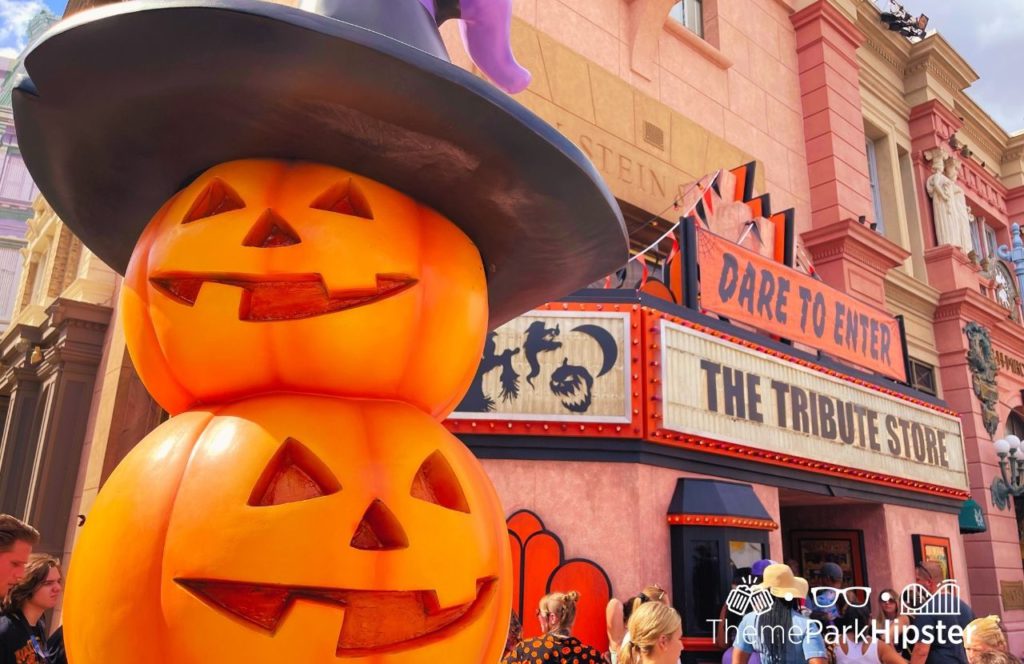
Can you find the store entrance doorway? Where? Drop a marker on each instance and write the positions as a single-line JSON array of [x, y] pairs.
[[817, 530]]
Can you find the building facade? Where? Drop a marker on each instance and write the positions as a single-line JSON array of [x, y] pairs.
[[17, 190], [634, 435]]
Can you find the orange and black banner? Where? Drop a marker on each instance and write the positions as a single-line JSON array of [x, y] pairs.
[[746, 287]]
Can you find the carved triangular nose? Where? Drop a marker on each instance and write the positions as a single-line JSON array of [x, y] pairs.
[[270, 230], [379, 530]]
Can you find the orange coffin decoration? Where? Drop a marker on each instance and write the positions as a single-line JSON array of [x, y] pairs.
[[286, 528], [252, 263]]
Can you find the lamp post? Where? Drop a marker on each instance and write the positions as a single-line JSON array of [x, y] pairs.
[[1011, 471], [1015, 254]]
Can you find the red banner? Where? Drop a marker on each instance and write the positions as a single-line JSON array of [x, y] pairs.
[[746, 287]]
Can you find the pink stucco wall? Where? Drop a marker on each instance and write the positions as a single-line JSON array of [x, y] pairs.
[[614, 514], [611, 513], [740, 82]]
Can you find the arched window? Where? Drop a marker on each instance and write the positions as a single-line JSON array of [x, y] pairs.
[[689, 13]]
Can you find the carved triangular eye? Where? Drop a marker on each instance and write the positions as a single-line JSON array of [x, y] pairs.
[[217, 198], [293, 474], [435, 482], [379, 530], [344, 198]]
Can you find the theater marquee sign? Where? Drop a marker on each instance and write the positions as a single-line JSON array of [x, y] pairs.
[[716, 389]]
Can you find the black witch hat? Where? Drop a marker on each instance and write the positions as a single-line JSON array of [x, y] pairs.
[[127, 103]]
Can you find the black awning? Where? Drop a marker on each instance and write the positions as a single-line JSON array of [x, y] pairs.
[[716, 498]]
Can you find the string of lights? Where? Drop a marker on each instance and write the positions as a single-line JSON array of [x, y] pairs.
[[675, 204]]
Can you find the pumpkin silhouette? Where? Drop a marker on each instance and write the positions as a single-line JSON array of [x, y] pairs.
[[291, 528], [275, 276]]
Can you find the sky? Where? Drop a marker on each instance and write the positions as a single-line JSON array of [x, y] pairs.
[[988, 33]]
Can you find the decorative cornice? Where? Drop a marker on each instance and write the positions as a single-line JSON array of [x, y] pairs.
[[851, 239], [885, 54], [969, 304], [935, 55]]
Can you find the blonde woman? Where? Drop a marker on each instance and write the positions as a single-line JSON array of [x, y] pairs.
[[556, 644], [892, 622], [617, 614], [985, 635], [656, 634]]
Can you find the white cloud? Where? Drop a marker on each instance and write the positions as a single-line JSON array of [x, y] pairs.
[[999, 22], [14, 19]]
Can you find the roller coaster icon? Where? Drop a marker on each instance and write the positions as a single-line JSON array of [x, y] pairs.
[[915, 600]]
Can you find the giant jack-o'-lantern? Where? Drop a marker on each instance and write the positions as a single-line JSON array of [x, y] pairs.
[[263, 533], [261, 525], [304, 278]]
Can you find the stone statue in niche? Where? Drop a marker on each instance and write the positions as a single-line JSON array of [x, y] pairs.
[[983, 373], [952, 217]]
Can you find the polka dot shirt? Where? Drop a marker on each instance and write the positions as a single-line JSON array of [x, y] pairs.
[[550, 650]]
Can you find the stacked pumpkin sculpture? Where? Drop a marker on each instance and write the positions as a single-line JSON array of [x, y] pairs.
[[308, 308]]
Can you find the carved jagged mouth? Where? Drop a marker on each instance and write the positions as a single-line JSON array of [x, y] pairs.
[[281, 297], [376, 621]]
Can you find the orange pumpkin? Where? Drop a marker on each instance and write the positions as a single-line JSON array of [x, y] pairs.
[[292, 528], [275, 276]]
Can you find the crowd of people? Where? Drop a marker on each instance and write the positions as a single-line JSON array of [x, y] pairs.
[[30, 585], [850, 634], [642, 630], [791, 624]]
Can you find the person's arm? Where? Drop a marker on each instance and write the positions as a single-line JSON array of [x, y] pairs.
[[742, 643], [888, 655], [814, 648], [511, 658], [616, 627], [919, 655], [720, 628], [741, 656]]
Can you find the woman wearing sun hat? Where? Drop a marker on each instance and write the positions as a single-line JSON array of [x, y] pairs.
[[780, 635]]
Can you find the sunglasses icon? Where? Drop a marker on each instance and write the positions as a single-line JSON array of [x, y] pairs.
[[825, 596]]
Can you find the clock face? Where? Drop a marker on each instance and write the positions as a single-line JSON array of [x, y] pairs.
[[1005, 292]]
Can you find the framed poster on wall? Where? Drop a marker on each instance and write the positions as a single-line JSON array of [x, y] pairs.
[[930, 547], [814, 548]]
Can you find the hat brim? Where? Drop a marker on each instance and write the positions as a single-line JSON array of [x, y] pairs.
[[797, 591], [129, 102]]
